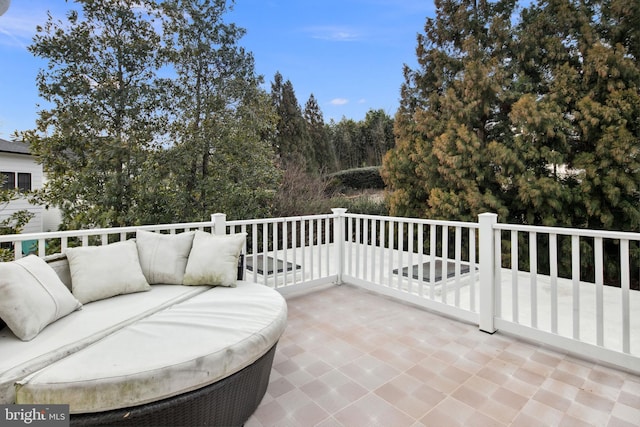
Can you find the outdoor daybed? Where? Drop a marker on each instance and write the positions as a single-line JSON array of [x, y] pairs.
[[139, 336]]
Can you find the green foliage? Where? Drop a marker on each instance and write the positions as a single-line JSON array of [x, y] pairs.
[[292, 143], [100, 80], [529, 113], [221, 159], [324, 154], [151, 123], [357, 179], [363, 143]]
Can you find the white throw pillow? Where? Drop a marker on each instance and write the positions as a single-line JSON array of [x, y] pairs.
[[163, 257], [99, 272], [214, 259], [32, 296]]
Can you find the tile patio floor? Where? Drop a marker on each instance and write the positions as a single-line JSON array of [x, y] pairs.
[[352, 358]]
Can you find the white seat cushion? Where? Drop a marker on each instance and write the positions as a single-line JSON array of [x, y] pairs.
[[182, 348], [78, 330]]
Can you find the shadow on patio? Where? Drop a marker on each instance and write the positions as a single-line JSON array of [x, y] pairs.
[[354, 358]]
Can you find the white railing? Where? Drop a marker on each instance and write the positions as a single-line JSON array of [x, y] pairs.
[[289, 253], [568, 288], [429, 263], [571, 290], [50, 243]]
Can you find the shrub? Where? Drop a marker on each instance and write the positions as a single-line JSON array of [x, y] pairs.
[[356, 179]]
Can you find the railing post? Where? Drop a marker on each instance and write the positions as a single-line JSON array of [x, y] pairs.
[[219, 224], [338, 239], [486, 243]]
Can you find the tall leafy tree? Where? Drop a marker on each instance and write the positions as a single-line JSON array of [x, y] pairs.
[[292, 142], [377, 137], [100, 83], [324, 155], [221, 120], [346, 136]]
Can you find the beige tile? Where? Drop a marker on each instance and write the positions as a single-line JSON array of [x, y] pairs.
[[569, 421], [587, 414], [594, 401], [617, 422], [499, 411], [626, 413], [279, 387], [470, 396], [546, 415], [554, 400], [372, 410], [450, 408], [352, 358], [479, 419], [509, 398]]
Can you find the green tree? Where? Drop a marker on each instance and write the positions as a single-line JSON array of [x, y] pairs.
[[533, 118], [324, 154], [377, 137], [346, 136], [450, 114], [100, 82], [291, 142], [221, 160]]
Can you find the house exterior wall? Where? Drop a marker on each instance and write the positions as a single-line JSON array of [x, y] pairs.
[[10, 162]]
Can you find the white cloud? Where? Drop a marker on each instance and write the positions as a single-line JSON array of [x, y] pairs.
[[333, 33], [362, 101], [18, 31], [339, 101]]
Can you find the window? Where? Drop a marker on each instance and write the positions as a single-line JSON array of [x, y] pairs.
[[9, 181], [24, 181]]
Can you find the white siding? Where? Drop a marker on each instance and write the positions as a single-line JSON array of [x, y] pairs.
[[26, 164]]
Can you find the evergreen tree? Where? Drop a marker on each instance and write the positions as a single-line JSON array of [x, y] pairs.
[[324, 154], [221, 160], [122, 146], [377, 137], [292, 142], [535, 119], [451, 113], [100, 82], [346, 137]]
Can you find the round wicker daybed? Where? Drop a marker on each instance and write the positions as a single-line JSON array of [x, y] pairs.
[[228, 402], [203, 361]]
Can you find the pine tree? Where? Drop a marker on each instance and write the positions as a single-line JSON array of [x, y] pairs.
[[582, 114], [324, 154], [100, 82], [450, 115], [346, 136], [222, 159], [377, 137], [291, 142], [535, 119]]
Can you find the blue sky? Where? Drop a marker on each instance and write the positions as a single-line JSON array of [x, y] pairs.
[[348, 53]]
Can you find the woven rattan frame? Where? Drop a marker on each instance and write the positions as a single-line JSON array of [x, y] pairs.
[[228, 402]]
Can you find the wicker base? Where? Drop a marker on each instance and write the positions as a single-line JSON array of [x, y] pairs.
[[228, 402]]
